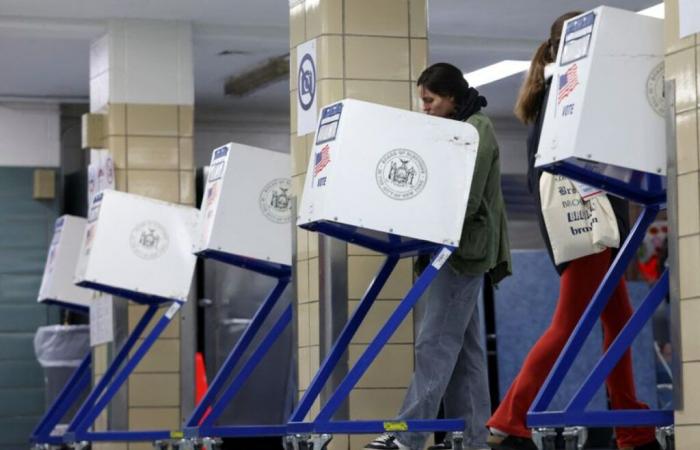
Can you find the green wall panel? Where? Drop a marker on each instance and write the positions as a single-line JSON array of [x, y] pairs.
[[26, 226]]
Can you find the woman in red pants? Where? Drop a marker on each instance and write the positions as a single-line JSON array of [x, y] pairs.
[[579, 280]]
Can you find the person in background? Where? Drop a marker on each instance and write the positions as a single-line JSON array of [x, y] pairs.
[[450, 361], [579, 280]]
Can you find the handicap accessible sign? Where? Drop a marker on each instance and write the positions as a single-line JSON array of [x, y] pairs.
[[306, 88]]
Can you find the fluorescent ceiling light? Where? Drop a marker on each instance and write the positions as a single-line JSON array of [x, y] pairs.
[[496, 72], [654, 11]]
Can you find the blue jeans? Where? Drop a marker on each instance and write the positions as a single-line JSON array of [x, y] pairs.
[[450, 362]]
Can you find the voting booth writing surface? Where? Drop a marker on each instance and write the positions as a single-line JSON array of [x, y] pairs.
[[137, 247], [57, 283], [605, 110], [604, 126], [389, 171], [246, 207], [396, 182]]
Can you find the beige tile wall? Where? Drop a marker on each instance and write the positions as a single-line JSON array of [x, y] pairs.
[[152, 149], [153, 154], [682, 65], [371, 51]]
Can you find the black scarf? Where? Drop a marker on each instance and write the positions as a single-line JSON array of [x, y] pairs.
[[469, 105]]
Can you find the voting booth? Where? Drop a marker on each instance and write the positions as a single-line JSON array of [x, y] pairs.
[[404, 174], [605, 111], [139, 249], [246, 208], [57, 283], [245, 221], [57, 288], [604, 126], [396, 182]]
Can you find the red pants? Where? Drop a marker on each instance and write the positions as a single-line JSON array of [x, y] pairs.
[[578, 283]]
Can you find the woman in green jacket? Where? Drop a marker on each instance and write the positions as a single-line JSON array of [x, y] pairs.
[[450, 362]]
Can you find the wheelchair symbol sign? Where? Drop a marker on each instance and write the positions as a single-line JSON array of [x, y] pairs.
[[306, 82]]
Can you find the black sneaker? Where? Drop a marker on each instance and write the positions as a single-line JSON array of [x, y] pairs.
[[444, 445], [510, 443], [386, 442]]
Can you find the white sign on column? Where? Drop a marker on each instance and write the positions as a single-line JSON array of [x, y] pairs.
[[101, 320], [688, 17], [100, 173], [307, 109]]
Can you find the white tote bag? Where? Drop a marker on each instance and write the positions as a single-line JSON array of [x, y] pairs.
[[576, 227]]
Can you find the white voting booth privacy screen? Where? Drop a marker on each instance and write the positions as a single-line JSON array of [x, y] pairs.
[[246, 206], [390, 170], [605, 107], [138, 247], [57, 283]]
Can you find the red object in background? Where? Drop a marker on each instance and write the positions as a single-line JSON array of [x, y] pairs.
[[200, 382], [652, 252], [650, 268]]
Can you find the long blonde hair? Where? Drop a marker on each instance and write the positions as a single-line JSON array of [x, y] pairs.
[[528, 103]]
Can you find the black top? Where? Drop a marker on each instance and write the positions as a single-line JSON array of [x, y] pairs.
[[619, 205]]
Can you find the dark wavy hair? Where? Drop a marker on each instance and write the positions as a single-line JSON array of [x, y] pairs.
[[445, 80]]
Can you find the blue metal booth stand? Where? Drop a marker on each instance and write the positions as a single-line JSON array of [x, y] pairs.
[[318, 432], [79, 435], [200, 427], [649, 191]]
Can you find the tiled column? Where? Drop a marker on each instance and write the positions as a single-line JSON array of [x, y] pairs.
[[374, 51], [682, 65], [141, 79]]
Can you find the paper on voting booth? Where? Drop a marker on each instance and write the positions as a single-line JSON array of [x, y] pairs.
[[605, 107], [57, 282], [391, 171], [246, 206], [138, 247], [100, 173]]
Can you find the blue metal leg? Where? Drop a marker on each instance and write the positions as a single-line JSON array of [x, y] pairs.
[[78, 382], [622, 342], [248, 368], [125, 436], [628, 418], [120, 378], [375, 426], [239, 431], [344, 339], [121, 355], [237, 353], [383, 336], [593, 311]]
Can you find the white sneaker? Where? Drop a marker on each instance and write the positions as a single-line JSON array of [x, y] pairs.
[[386, 442]]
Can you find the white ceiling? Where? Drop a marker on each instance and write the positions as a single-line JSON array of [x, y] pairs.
[[44, 45]]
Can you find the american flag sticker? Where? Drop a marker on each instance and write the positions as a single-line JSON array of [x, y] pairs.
[[567, 83], [322, 158]]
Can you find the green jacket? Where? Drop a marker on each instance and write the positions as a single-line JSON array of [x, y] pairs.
[[484, 246]]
